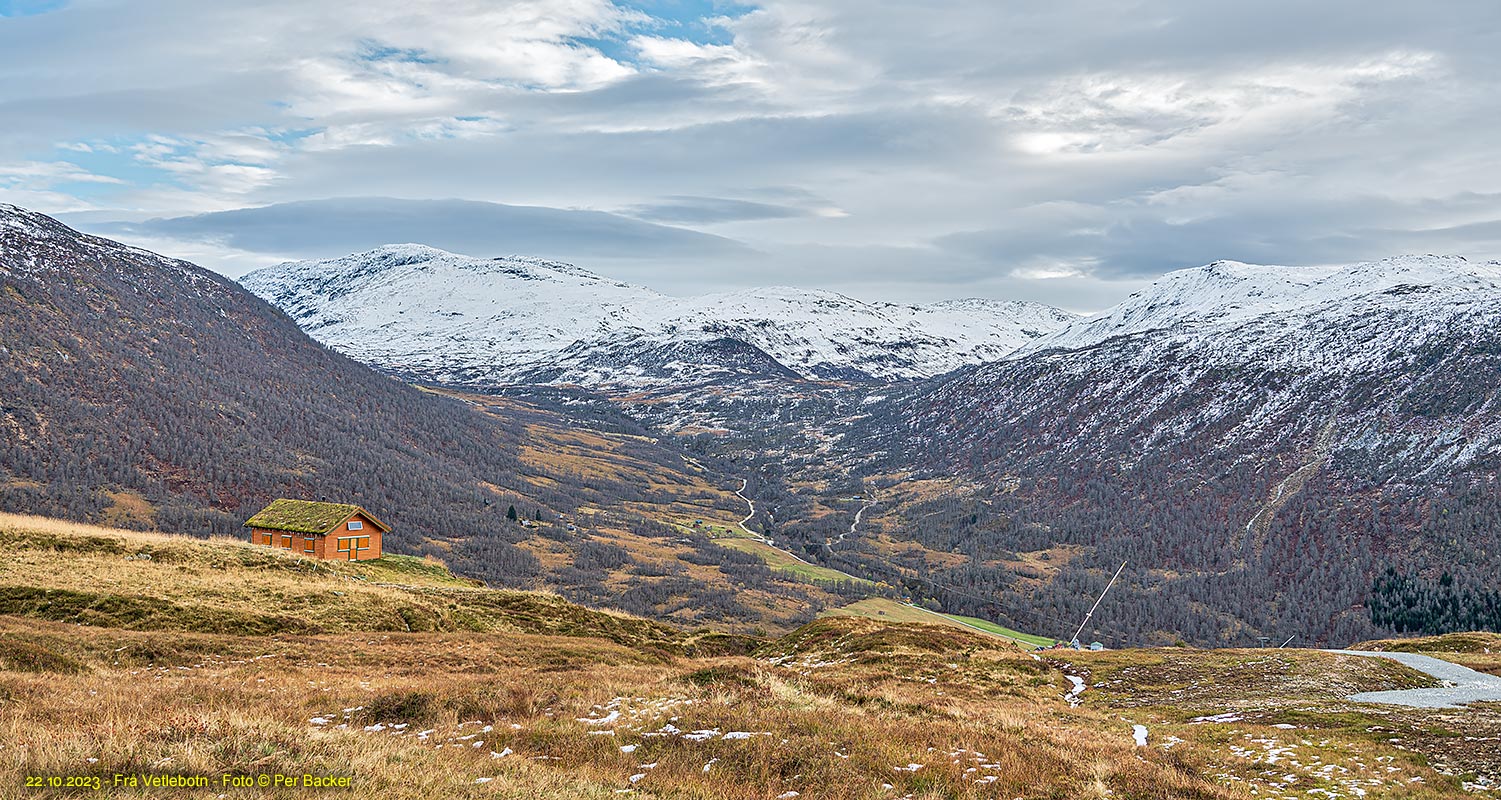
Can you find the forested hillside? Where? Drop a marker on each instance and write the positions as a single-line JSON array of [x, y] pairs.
[[145, 392], [155, 392], [1260, 444]]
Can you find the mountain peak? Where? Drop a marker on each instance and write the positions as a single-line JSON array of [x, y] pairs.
[[1417, 270], [31, 223], [396, 258], [1231, 293], [450, 318], [411, 250]]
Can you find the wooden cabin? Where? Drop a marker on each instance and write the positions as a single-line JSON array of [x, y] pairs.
[[319, 530]]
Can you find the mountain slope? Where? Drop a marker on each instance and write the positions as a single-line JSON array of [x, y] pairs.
[[146, 392], [157, 392], [1403, 343], [1260, 443], [1226, 297], [446, 318]]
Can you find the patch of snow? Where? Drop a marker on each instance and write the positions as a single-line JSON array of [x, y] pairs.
[[1228, 716], [1073, 694]]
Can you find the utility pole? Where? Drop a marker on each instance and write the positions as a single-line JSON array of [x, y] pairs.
[[1096, 605]]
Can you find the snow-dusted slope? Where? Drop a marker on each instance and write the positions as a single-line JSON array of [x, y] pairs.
[[455, 319], [1280, 303], [1259, 443], [1394, 361]]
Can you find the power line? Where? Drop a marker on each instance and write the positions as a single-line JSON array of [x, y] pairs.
[[1096, 605]]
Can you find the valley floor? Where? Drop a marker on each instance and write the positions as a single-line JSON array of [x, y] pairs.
[[512, 695]]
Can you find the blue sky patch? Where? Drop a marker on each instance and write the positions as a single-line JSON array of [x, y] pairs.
[[689, 20], [29, 8], [119, 163], [371, 50]]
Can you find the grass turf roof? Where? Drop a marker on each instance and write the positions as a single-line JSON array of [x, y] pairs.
[[305, 516]]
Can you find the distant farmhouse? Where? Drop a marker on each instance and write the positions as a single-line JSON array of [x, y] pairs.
[[320, 530]]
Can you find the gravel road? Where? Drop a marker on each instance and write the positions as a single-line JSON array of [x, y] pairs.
[[1462, 684]]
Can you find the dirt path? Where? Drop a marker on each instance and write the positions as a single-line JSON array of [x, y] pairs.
[[853, 525], [1464, 685], [741, 491], [768, 542], [744, 483], [751, 504]]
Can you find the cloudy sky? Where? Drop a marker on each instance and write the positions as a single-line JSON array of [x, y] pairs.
[[1065, 151]]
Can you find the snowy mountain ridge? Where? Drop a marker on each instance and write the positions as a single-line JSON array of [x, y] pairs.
[[1230, 298], [448, 318], [1260, 441], [1392, 363]]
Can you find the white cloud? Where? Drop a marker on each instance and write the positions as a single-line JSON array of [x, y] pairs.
[[1003, 146], [22, 174]]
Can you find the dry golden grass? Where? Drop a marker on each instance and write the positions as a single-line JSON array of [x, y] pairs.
[[842, 708], [887, 610], [129, 508], [72, 572], [143, 702]]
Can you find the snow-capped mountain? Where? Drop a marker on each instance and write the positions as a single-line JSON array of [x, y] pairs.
[[448, 318], [1262, 353], [1281, 302], [1258, 442], [1267, 353]]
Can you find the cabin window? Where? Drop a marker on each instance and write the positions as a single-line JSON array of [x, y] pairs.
[[307, 545], [356, 525], [353, 544], [286, 541]]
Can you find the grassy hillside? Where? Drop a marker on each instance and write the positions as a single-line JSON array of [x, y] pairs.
[[217, 656], [69, 572], [1471, 642], [785, 562], [890, 610]]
